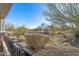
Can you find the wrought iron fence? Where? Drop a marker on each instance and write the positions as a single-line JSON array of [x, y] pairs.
[[16, 49]]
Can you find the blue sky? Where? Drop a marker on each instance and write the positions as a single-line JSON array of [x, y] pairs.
[[29, 14]]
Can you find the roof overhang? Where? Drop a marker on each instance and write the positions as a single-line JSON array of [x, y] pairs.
[[4, 9]]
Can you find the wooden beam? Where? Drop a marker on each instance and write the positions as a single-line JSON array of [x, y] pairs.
[[4, 9]]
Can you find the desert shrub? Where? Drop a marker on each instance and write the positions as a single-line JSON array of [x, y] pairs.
[[66, 44], [36, 41], [69, 35], [70, 38], [55, 43]]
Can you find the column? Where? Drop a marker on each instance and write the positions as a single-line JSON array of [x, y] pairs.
[[2, 32], [2, 27]]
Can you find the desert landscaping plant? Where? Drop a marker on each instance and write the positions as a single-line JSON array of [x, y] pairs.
[[36, 41], [19, 33], [64, 15]]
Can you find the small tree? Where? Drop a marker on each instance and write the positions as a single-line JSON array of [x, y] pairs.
[[20, 30], [10, 27], [63, 14], [44, 27]]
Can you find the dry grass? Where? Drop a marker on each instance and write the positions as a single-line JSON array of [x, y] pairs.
[[35, 41]]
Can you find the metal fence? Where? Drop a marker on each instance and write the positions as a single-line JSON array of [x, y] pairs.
[[16, 49]]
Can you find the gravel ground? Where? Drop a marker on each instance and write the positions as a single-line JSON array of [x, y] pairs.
[[58, 51]]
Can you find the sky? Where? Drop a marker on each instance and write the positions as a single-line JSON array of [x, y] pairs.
[[29, 14]]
